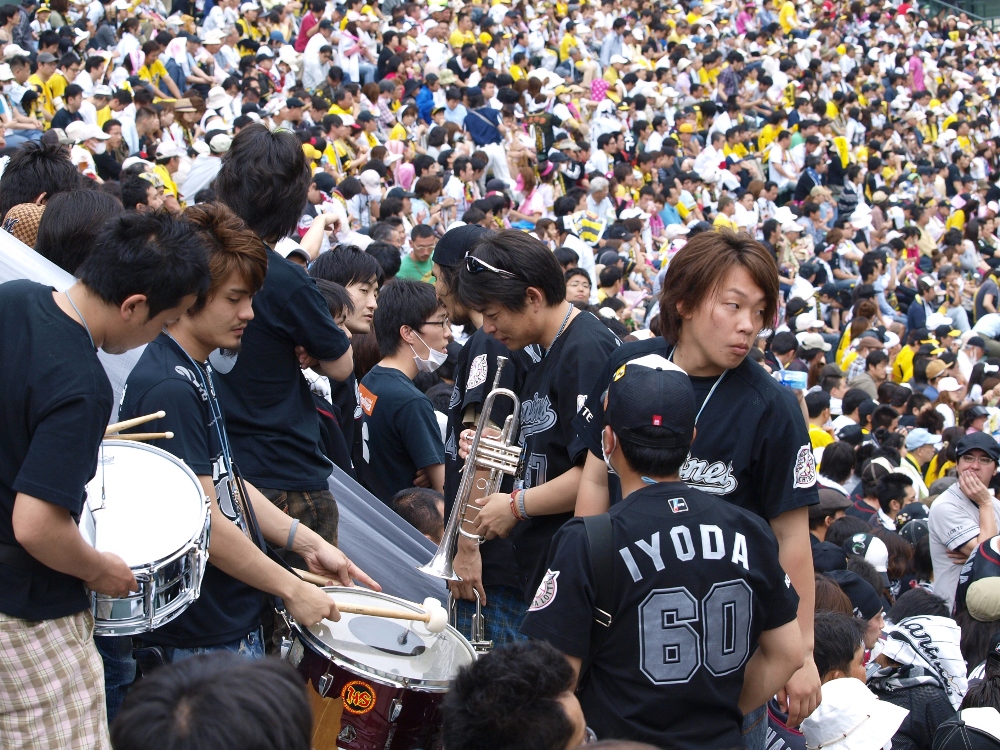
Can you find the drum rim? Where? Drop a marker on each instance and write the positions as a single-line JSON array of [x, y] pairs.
[[392, 680]]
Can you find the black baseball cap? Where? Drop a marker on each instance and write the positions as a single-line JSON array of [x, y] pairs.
[[980, 441], [295, 103], [863, 598], [557, 157], [617, 232], [609, 258], [976, 341], [495, 185], [398, 192], [324, 182], [651, 391], [456, 243], [969, 729], [910, 512], [914, 530], [828, 557], [365, 116]]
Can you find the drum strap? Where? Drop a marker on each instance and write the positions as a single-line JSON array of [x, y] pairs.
[[17, 557], [600, 537]]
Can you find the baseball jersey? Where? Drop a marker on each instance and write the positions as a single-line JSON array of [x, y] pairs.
[[982, 563], [953, 521], [474, 374], [552, 393], [751, 448], [696, 581]]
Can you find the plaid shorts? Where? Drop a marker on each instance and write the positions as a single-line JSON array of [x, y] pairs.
[[503, 615], [52, 684], [316, 510]]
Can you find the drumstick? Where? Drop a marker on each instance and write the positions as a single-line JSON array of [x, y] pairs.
[[435, 617], [128, 423], [141, 436]]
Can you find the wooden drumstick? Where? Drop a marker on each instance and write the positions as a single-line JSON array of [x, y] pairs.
[[129, 423], [435, 617], [141, 436]]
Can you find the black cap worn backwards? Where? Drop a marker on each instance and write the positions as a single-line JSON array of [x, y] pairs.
[[456, 243], [651, 391]]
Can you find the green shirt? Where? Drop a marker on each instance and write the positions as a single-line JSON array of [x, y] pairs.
[[410, 269]]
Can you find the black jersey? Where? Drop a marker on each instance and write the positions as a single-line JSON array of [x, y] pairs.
[[982, 563], [474, 374], [553, 391], [751, 448], [346, 399], [696, 580]]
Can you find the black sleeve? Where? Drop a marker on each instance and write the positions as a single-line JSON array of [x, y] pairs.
[[774, 588], [63, 451], [568, 583], [577, 378], [186, 418], [306, 318]]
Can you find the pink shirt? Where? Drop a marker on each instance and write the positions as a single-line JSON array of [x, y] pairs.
[[916, 66]]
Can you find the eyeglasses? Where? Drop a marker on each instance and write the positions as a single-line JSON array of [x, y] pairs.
[[445, 324], [578, 284], [970, 459], [476, 265]]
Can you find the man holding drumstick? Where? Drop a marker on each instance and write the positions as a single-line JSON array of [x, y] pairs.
[[173, 374], [56, 401]]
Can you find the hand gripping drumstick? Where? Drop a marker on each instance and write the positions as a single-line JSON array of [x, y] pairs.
[[434, 615]]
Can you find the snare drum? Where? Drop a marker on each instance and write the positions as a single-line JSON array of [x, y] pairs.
[[146, 506], [391, 691]]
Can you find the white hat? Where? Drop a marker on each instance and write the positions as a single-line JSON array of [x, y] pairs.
[[891, 339], [372, 182], [121, 5], [813, 341], [633, 213], [167, 150], [289, 56], [791, 226], [249, 6], [347, 120], [75, 131], [288, 246], [851, 718], [132, 160], [805, 321], [213, 36], [673, 231], [937, 319], [217, 97], [103, 90], [80, 35], [861, 219], [5, 72], [12, 50], [265, 52], [784, 215], [948, 385], [683, 63]]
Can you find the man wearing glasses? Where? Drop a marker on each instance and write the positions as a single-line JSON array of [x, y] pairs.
[[401, 443], [966, 514]]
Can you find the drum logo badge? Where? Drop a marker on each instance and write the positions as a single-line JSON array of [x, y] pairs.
[[359, 697]]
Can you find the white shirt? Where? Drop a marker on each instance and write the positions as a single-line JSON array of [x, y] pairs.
[[953, 522]]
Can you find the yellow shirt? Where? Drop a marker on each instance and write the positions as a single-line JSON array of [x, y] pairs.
[[398, 133], [818, 437], [103, 115], [153, 74], [460, 38], [902, 368], [169, 186], [44, 93], [336, 109], [787, 17], [723, 221], [568, 42], [516, 73], [58, 84], [767, 135], [956, 221]]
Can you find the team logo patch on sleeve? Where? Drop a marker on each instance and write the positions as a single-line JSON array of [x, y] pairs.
[[477, 372], [805, 468], [546, 593]]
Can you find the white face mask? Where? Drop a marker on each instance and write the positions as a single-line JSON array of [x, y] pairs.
[[434, 361], [607, 456], [100, 148]]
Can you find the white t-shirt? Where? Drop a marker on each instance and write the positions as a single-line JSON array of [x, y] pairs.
[[953, 522]]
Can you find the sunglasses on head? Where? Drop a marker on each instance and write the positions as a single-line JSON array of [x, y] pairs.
[[476, 265]]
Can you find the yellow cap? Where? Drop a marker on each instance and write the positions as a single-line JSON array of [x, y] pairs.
[[686, 127], [841, 49]]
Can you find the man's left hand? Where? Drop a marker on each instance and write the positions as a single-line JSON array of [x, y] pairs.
[[802, 694], [326, 560], [494, 518]]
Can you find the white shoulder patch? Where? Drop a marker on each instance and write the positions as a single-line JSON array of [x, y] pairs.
[[546, 593], [477, 372], [804, 474]]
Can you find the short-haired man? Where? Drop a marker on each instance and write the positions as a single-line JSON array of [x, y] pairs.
[[818, 409], [892, 492], [876, 364], [832, 505], [966, 514], [270, 415], [402, 444], [141, 194], [721, 291], [700, 589], [143, 273], [417, 264]]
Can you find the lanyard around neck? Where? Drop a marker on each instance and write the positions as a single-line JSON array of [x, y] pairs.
[[670, 358]]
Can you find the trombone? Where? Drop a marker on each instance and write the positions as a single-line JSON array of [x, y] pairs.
[[501, 456]]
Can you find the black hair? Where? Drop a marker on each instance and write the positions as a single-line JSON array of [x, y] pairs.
[[918, 601], [985, 693], [892, 487], [838, 461], [135, 191], [33, 169], [152, 254], [976, 636], [403, 303], [388, 259], [609, 276], [509, 698], [418, 506], [421, 231], [837, 640], [844, 528], [71, 223], [527, 258], [654, 462], [852, 400], [859, 565], [816, 403], [220, 701], [566, 256], [346, 265], [883, 416], [338, 300], [265, 181]]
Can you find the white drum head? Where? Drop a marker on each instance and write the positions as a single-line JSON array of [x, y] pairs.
[[443, 654], [143, 504]]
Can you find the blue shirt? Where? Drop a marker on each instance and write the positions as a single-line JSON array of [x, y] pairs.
[[425, 103], [612, 46], [456, 115], [478, 123], [670, 215]]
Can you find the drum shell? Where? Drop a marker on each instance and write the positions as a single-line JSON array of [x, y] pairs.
[[402, 718]]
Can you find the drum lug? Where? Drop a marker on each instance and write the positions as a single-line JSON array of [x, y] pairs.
[[286, 646], [323, 687], [395, 708]]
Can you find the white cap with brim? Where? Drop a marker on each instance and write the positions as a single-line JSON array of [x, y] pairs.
[[287, 246], [851, 718]]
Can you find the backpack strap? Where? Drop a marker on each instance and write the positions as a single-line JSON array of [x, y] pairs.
[[600, 537]]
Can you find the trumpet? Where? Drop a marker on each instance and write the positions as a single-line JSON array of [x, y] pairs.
[[501, 456]]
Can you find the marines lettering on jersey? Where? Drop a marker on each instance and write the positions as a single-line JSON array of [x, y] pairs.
[[714, 477], [712, 546], [537, 415]]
